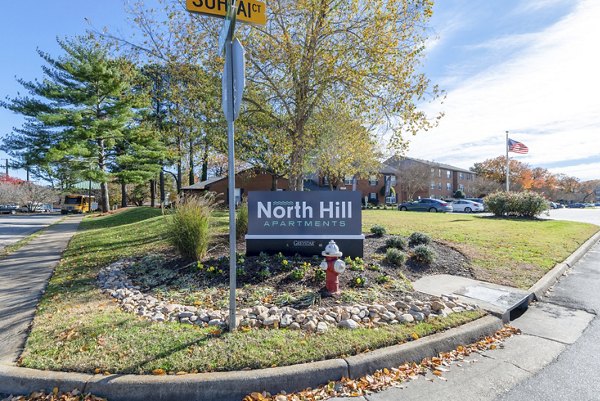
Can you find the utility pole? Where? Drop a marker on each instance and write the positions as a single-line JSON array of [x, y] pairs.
[[507, 164]]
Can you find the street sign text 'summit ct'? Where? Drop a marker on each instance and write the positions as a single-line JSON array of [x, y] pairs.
[[304, 222], [250, 11]]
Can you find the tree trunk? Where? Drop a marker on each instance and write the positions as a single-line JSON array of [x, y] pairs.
[[163, 195], [105, 202], [179, 176], [153, 194], [191, 180], [204, 174], [123, 194]]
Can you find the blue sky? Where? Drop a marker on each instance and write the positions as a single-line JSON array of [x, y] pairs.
[[526, 66]]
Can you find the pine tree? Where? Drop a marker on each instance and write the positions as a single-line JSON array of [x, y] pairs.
[[79, 112]]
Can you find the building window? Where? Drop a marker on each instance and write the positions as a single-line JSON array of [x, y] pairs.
[[325, 181], [449, 186], [372, 195], [440, 172], [448, 174], [461, 187], [372, 180], [432, 185], [461, 176], [393, 180], [348, 180], [440, 186]]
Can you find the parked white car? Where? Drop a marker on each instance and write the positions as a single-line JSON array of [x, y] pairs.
[[467, 206]]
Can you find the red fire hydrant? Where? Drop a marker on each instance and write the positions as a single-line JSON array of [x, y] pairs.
[[334, 265]]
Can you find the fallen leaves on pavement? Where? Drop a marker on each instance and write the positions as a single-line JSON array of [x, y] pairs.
[[55, 395], [394, 377]]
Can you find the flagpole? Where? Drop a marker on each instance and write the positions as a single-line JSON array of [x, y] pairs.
[[507, 164]]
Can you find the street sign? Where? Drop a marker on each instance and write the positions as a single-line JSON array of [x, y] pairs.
[[250, 11], [234, 63]]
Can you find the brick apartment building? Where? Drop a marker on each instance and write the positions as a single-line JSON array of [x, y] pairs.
[[386, 185], [383, 187], [251, 179]]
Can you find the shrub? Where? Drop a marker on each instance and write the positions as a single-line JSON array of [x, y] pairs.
[[418, 238], [395, 242], [320, 275], [384, 278], [241, 221], [378, 230], [376, 267], [286, 266], [359, 281], [521, 204], [356, 264], [188, 227], [423, 254], [395, 256]]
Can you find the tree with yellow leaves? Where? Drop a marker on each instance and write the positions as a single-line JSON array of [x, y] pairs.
[[322, 53]]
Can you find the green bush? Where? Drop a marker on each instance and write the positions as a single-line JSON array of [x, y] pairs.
[[378, 230], [418, 238], [188, 227], [356, 264], [423, 254], [395, 242], [241, 221], [320, 275], [395, 256], [359, 281], [520, 204]]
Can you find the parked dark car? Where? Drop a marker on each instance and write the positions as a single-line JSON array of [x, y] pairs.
[[426, 205], [8, 209], [577, 205]]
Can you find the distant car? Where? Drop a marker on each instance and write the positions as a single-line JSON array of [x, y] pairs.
[[478, 200], [8, 209], [553, 205], [467, 206], [597, 204], [426, 205], [577, 205]]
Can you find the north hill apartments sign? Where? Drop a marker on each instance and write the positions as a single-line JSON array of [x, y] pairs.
[[304, 222]]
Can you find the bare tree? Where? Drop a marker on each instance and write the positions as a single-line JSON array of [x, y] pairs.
[[414, 177], [26, 194]]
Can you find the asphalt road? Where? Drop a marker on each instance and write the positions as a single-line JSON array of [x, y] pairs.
[[15, 227], [556, 357], [587, 215]]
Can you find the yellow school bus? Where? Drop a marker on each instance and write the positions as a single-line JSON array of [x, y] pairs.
[[77, 204]]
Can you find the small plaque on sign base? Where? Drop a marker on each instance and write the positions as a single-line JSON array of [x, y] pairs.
[[303, 246]]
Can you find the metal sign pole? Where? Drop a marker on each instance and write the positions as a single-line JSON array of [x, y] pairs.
[[231, 182]]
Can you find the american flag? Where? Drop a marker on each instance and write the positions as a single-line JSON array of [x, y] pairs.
[[517, 147]]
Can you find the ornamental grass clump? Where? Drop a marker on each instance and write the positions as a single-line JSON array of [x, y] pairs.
[[395, 256], [378, 230], [188, 227], [395, 242], [423, 254], [418, 238], [241, 221]]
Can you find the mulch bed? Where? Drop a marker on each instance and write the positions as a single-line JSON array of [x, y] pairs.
[[384, 281]]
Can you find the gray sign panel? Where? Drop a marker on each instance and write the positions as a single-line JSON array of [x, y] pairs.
[[315, 214], [304, 222]]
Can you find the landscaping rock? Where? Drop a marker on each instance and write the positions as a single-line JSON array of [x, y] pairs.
[[348, 324]]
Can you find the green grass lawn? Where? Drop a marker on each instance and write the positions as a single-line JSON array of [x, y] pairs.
[[513, 252], [77, 328]]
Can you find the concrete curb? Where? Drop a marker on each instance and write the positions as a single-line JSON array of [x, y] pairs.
[[550, 278], [363, 364], [230, 386]]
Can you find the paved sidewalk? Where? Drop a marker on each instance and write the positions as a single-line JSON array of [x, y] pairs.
[[24, 276]]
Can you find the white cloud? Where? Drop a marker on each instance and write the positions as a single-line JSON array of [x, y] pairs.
[[545, 95]]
